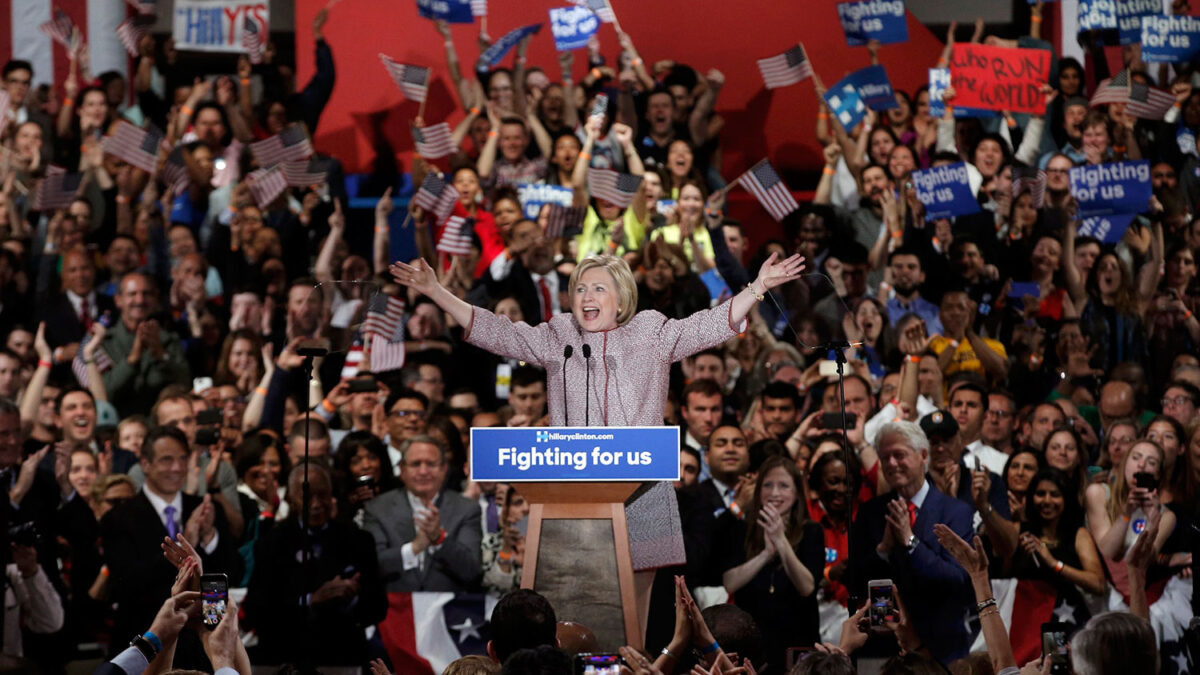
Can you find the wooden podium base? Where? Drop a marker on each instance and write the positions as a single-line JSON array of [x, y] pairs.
[[577, 555]]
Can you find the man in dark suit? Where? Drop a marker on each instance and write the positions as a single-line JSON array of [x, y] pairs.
[[427, 539], [18, 82], [978, 488], [728, 460], [892, 538], [70, 314], [325, 607], [133, 533], [526, 272]]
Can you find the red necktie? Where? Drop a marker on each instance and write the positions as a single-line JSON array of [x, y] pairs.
[[85, 317], [547, 308], [912, 514]]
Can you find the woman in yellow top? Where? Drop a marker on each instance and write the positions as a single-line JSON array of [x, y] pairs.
[[608, 228], [687, 229]]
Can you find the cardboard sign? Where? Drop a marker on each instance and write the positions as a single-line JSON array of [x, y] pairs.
[[1000, 78], [218, 25], [450, 11], [572, 26], [1108, 229], [1170, 39], [939, 79], [1129, 17], [945, 191], [873, 87], [882, 20], [502, 46], [1097, 15], [534, 196], [1105, 189], [846, 105]]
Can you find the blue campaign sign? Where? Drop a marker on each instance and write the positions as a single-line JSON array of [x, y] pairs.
[[500, 47], [515, 454], [1097, 15], [572, 26], [867, 20], [452, 11], [846, 105], [873, 87], [1170, 39], [1108, 229], [939, 79], [534, 196], [945, 191], [1129, 18], [1105, 189]]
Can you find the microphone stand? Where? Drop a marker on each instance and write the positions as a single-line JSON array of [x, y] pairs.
[[309, 354], [839, 347]]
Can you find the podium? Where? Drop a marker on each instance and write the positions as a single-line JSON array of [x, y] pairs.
[[577, 548]]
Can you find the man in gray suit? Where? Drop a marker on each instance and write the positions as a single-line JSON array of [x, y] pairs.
[[427, 539]]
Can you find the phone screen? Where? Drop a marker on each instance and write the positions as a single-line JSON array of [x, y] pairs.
[[598, 664], [214, 593], [883, 605], [1054, 646]]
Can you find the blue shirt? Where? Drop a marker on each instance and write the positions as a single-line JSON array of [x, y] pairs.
[[923, 308]]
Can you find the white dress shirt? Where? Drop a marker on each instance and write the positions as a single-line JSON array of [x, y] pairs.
[[160, 506], [408, 557]]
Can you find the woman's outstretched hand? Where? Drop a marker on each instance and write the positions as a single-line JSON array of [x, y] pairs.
[[773, 273], [419, 277]]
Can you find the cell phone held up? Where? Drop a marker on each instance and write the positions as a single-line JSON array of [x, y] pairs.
[[1145, 480], [598, 664], [214, 596], [1054, 647], [833, 421], [882, 607]]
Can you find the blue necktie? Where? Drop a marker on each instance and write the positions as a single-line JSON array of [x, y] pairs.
[[172, 527]]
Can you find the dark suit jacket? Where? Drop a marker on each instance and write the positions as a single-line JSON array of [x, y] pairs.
[[720, 526], [455, 566], [277, 607], [62, 323], [139, 575], [521, 286], [934, 587], [997, 493]]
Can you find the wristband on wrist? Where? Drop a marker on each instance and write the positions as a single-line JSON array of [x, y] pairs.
[[585, 156], [990, 602], [42, 363], [711, 649], [245, 82], [913, 358], [1058, 567], [1035, 19], [474, 110], [1187, 314], [637, 61], [735, 509], [68, 102], [504, 556], [328, 406], [595, 73], [667, 653], [493, 133], [261, 391], [828, 171], [186, 110], [122, 199]]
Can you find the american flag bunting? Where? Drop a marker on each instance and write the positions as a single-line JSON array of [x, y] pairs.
[[785, 69], [386, 355], [413, 81], [613, 187], [79, 368], [456, 237], [384, 314], [135, 145], [57, 190], [561, 220], [436, 195], [60, 29], [266, 185], [1031, 180], [433, 142], [762, 181], [289, 145]]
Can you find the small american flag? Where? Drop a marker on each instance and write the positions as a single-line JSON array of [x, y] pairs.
[[79, 368], [132, 31], [135, 145], [601, 8], [266, 185], [436, 195], [384, 314], [354, 357], [1029, 179], [305, 173], [231, 172], [253, 40], [144, 7], [478, 7], [765, 184], [456, 237], [57, 190], [562, 220], [4, 101], [412, 80], [613, 187], [289, 145], [1140, 99], [386, 355], [433, 142], [599, 106], [60, 29], [785, 69], [174, 172]]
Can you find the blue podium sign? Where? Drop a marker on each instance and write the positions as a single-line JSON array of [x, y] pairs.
[[596, 454]]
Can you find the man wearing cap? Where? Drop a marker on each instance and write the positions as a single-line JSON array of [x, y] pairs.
[[973, 484], [892, 538]]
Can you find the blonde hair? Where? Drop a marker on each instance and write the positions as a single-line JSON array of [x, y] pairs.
[[621, 275], [474, 664], [1120, 489], [103, 483]]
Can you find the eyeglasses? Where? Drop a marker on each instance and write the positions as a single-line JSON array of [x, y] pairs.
[[405, 413], [1178, 400]]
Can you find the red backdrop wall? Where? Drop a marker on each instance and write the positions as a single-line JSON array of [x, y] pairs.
[[705, 34]]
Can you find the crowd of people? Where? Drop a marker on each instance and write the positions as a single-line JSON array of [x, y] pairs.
[[1004, 459]]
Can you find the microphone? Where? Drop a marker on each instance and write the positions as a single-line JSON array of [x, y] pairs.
[[587, 385], [567, 351]]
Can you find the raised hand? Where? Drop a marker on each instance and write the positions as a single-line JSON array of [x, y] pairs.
[[773, 273], [420, 276], [972, 557], [385, 205]]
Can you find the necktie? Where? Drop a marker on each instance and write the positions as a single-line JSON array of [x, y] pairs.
[[85, 316], [172, 527], [912, 514], [547, 308], [729, 495], [493, 516]]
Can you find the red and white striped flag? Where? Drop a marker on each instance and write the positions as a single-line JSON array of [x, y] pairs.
[[174, 172], [436, 195], [785, 69], [305, 173], [135, 145], [253, 40], [456, 237], [354, 357], [4, 102], [562, 220], [1140, 99], [231, 172], [600, 8], [433, 142], [765, 184], [412, 80], [384, 314], [266, 185], [1029, 179], [143, 7], [79, 367], [57, 190], [133, 30], [599, 107], [289, 145], [613, 187], [60, 29], [386, 354], [478, 7]]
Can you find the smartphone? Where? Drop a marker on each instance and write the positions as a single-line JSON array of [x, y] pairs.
[[834, 420], [201, 385], [1145, 480], [795, 654], [1054, 647], [828, 368], [214, 594], [207, 436], [883, 604], [363, 384], [598, 664], [365, 481], [209, 416]]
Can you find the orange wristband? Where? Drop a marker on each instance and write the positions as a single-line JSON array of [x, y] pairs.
[[596, 73], [474, 110], [245, 82], [585, 156], [262, 391], [493, 133], [186, 110], [328, 406], [1035, 19], [828, 171], [68, 102]]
